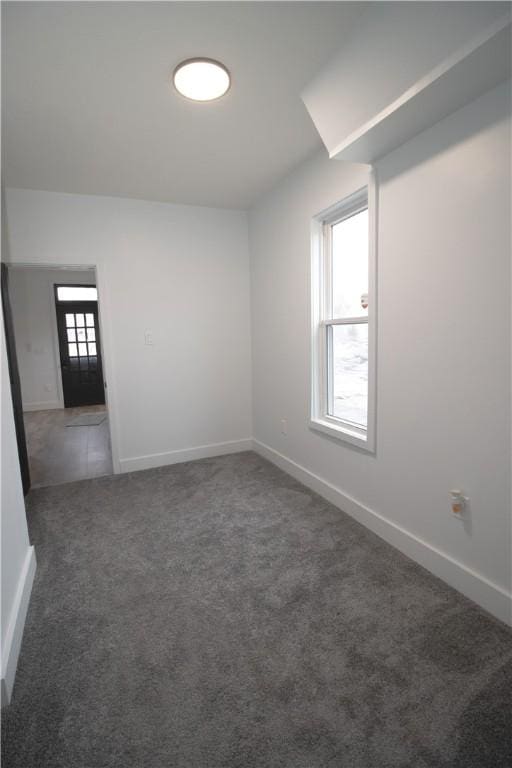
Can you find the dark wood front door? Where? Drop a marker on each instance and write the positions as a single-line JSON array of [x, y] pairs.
[[80, 353]]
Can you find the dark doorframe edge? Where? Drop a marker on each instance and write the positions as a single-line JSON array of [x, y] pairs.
[[14, 376]]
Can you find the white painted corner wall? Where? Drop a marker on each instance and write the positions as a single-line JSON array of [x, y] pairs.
[[443, 354]]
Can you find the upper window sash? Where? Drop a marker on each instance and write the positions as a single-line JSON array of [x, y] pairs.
[[354, 204]]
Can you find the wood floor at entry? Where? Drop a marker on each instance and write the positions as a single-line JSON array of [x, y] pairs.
[[60, 454]]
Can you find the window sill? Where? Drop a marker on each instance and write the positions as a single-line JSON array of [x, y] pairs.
[[344, 434]]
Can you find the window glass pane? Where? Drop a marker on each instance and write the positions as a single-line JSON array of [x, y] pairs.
[[91, 334], [348, 380], [82, 350], [92, 348], [89, 319], [79, 319], [77, 293], [80, 334], [70, 321], [72, 350], [71, 334], [350, 266]]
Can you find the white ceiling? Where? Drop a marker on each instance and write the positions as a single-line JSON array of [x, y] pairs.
[[87, 105]]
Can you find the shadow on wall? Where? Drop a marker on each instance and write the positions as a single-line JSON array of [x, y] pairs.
[[493, 109]]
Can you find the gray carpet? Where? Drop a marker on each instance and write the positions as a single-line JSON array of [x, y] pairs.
[[217, 614]]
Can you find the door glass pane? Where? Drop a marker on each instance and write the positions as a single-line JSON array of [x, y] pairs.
[[348, 379], [72, 350], [80, 334], [92, 348], [82, 350], [71, 334], [77, 293], [89, 319], [79, 319], [70, 321], [350, 266], [91, 334]]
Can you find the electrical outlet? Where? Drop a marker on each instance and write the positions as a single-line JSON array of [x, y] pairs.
[[284, 427], [458, 502]]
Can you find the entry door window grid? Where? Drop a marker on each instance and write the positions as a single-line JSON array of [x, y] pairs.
[[343, 293], [81, 334]]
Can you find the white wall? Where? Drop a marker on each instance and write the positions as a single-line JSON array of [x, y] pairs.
[[35, 325], [443, 409], [180, 272], [18, 561]]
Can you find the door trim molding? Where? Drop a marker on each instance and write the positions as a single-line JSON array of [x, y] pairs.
[[9, 338]]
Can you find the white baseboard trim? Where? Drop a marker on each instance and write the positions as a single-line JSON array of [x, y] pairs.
[[184, 454], [48, 405], [14, 634], [491, 597]]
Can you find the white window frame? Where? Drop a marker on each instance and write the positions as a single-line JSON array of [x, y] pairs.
[[321, 297]]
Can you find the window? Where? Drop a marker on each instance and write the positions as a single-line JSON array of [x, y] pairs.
[[77, 293], [80, 328], [343, 320]]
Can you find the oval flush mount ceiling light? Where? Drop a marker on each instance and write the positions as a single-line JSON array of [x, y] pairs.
[[201, 79]]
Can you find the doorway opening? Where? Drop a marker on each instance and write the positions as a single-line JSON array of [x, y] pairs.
[[55, 313]]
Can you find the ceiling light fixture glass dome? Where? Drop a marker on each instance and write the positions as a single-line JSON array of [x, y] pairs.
[[201, 79]]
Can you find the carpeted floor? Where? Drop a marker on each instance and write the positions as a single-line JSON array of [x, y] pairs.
[[217, 614]]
